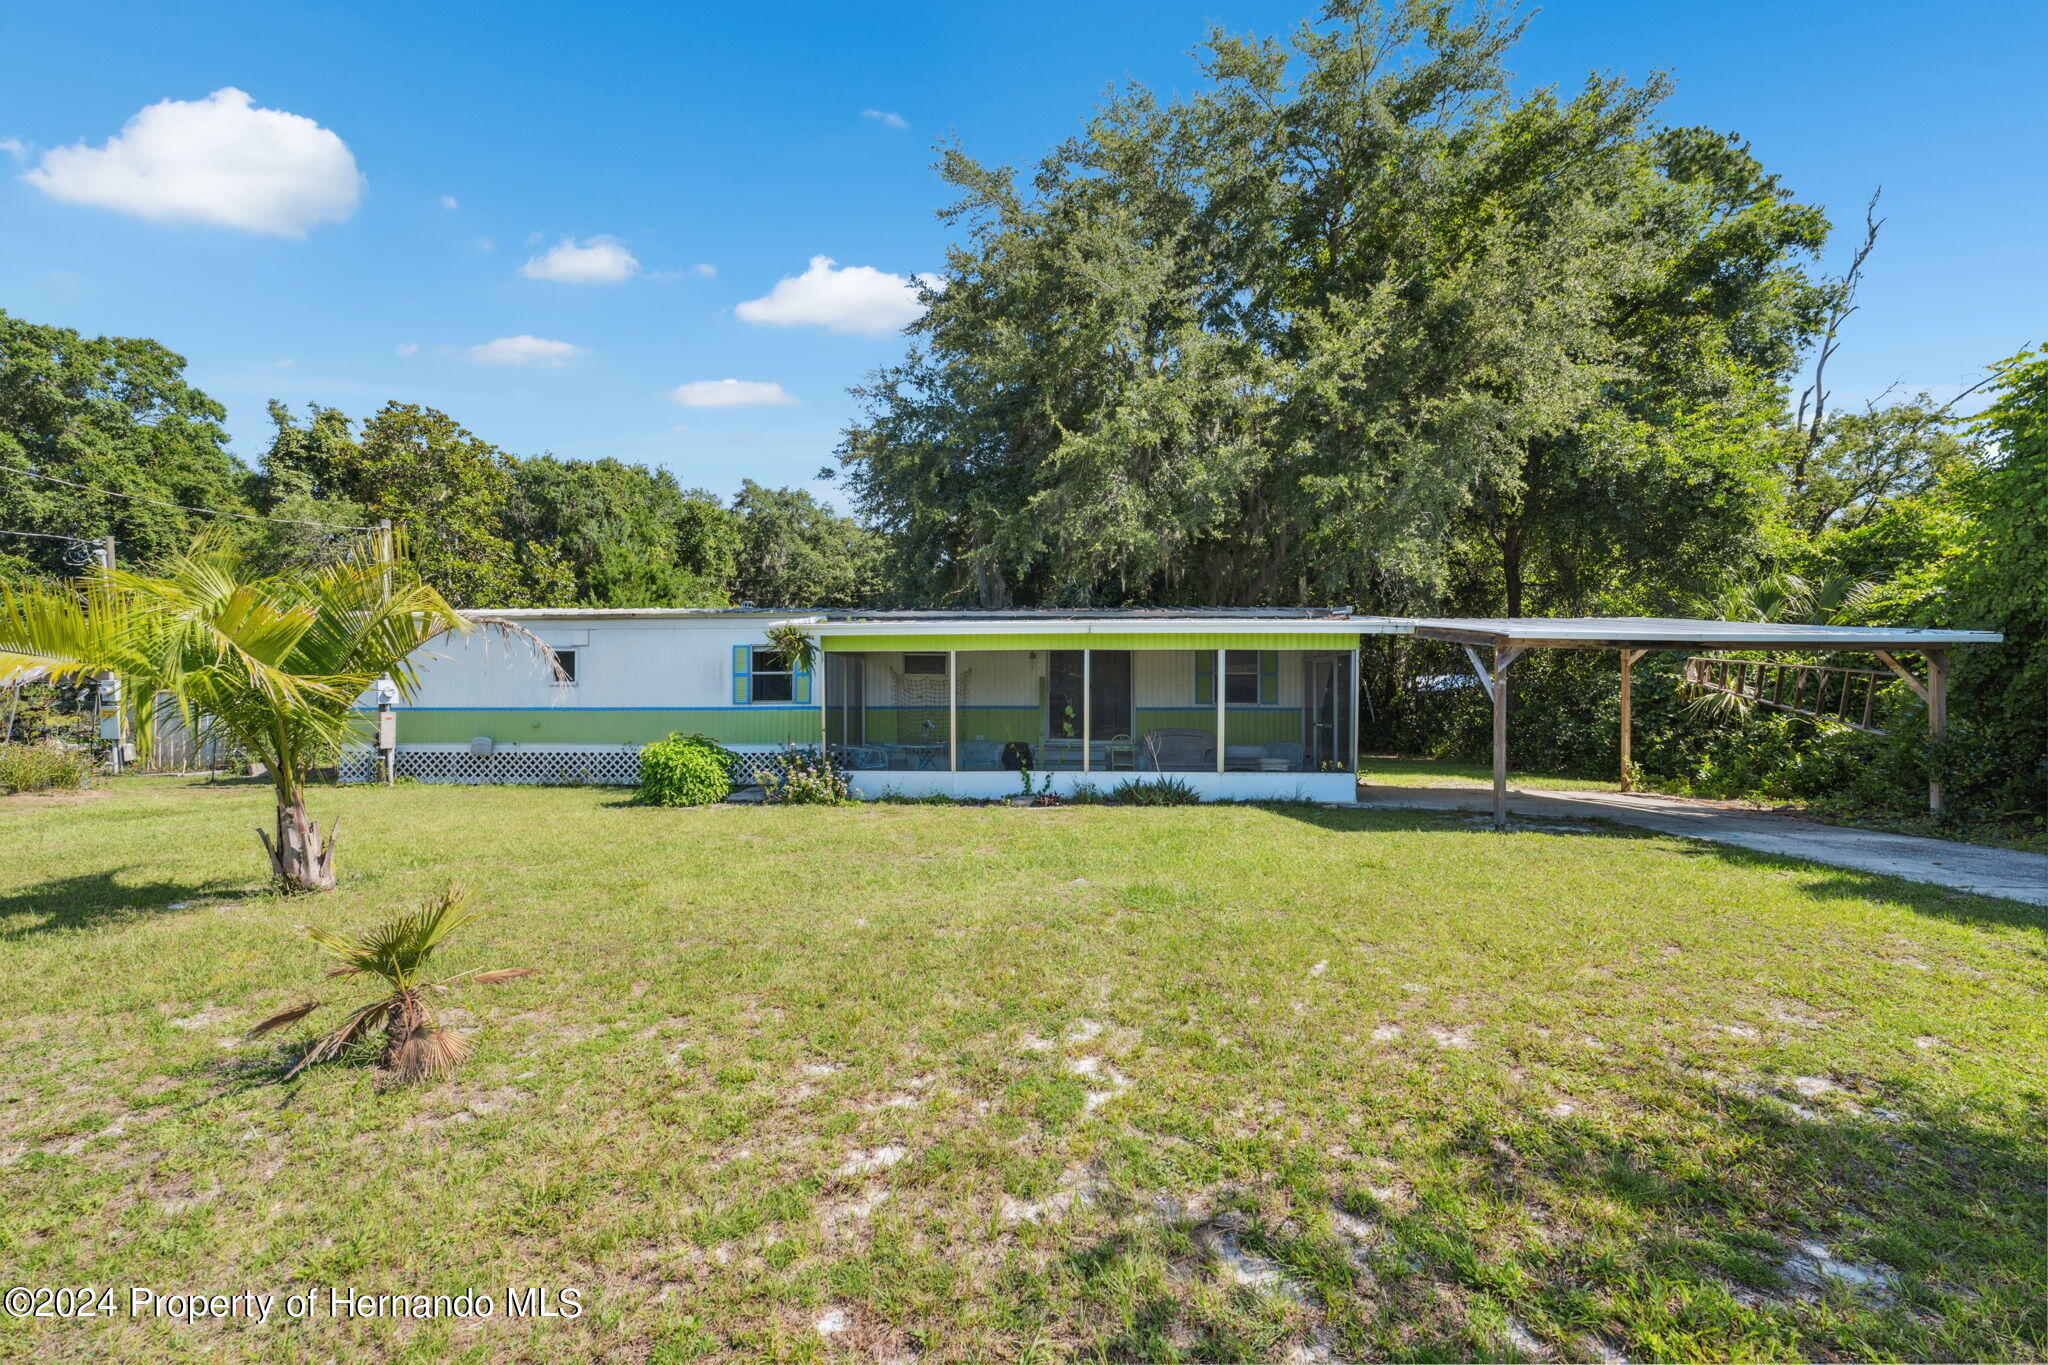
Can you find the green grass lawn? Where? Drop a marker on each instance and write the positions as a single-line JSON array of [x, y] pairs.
[[1390, 770], [969, 1084]]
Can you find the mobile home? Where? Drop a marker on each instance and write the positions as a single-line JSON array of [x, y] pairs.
[[1239, 704]]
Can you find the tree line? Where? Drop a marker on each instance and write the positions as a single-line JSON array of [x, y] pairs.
[[487, 528]]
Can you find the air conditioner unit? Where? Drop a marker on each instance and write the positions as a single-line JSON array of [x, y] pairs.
[[483, 744]]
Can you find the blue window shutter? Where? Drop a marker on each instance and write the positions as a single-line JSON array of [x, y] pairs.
[[1269, 676], [1205, 677], [800, 686], [742, 674]]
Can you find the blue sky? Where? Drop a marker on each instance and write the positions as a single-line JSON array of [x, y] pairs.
[[722, 147]]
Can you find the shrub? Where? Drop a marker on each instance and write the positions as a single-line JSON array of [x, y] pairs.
[[1158, 791], [685, 770], [805, 778], [43, 767]]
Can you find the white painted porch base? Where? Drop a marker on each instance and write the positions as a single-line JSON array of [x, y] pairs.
[[1209, 786]]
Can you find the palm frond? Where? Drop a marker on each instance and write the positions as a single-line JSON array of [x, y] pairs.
[[503, 974], [500, 628], [794, 643], [289, 1015], [395, 949], [428, 1051], [335, 1042]]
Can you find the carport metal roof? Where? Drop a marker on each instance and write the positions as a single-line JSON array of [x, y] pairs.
[[1668, 632], [1635, 636]]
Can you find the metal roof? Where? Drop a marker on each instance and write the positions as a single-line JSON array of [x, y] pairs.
[[1151, 620], [1667, 632], [1554, 632], [1115, 623], [1035, 615]]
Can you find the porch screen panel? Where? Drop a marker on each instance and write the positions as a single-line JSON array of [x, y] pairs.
[[1327, 683], [1264, 726], [1003, 706], [1173, 710], [845, 678]]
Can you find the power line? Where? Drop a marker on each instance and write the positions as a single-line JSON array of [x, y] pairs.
[[44, 535], [203, 511]]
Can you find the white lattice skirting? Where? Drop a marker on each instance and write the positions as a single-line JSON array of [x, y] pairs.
[[530, 767]]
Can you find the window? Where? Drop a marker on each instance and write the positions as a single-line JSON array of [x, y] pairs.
[[1241, 677], [931, 665], [761, 673], [565, 659], [1251, 677], [773, 680]]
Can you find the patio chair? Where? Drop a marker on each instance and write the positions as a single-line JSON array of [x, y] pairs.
[[1171, 749], [1243, 758], [1284, 756], [1059, 754], [980, 755], [860, 757]]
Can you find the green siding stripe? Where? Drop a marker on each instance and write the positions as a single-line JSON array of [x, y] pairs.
[[918, 644], [758, 725], [905, 724], [1242, 725], [567, 725]]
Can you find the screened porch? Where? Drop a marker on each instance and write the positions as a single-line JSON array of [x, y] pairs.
[[1107, 711]]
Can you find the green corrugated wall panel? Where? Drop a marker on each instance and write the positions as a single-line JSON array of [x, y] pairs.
[[1243, 725], [569, 725], [905, 725], [926, 644]]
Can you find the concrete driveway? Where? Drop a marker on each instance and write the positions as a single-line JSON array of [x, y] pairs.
[[1965, 867]]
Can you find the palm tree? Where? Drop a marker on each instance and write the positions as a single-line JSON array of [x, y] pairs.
[[416, 1044], [274, 663]]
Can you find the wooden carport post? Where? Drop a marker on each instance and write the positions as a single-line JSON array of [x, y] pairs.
[[1495, 681], [1628, 659], [1937, 721], [1498, 686], [1935, 693]]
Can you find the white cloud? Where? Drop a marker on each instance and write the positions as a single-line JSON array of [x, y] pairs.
[[704, 268], [730, 393], [448, 201], [218, 160], [408, 348], [858, 298], [486, 244], [14, 147], [885, 118], [524, 350], [596, 260]]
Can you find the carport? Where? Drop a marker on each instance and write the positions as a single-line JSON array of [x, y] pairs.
[[1634, 636]]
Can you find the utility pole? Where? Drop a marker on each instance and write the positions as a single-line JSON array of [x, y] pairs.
[[384, 552]]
